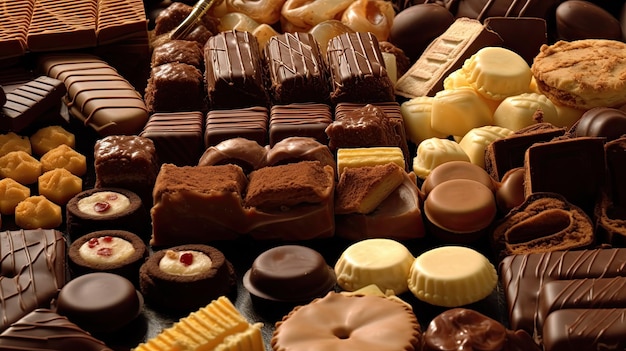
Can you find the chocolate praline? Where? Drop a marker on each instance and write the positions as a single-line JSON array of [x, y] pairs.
[[100, 302], [291, 274], [606, 122]]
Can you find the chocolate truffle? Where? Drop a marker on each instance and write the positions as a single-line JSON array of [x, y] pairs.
[[99, 302], [196, 273], [289, 274]]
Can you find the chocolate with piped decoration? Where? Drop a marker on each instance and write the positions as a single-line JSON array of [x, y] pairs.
[[57, 25], [289, 273], [33, 270], [483, 9], [119, 20], [606, 122], [523, 276], [234, 71], [297, 70], [549, 168], [46, 330], [97, 94], [99, 302], [576, 19], [35, 103], [358, 71], [507, 153], [177, 136], [466, 329], [14, 27], [300, 120], [584, 329], [248, 122]]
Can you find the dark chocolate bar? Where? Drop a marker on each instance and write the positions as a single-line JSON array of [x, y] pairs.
[[32, 263], [297, 71], [234, 71], [177, 137], [585, 330], [57, 25], [358, 72], [523, 278], [27, 104], [250, 123], [43, 330], [303, 120]]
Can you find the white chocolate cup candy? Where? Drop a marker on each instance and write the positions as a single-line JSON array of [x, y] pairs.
[[434, 152], [457, 111], [519, 111], [416, 114], [475, 142]]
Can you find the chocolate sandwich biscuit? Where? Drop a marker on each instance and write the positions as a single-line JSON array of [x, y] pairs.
[[57, 25], [33, 271], [297, 71], [302, 120], [97, 94], [32, 102], [357, 69], [234, 71]]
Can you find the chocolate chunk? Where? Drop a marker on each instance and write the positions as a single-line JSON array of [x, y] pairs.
[[32, 102], [177, 137], [250, 123], [358, 71], [44, 330], [297, 71], [57, 25], [234, 71], [303, 120], [33, 270]]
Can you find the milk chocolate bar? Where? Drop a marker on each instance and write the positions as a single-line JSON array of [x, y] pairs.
[[443, 56], [120, 19], [97, 94], [303, 120], [14, 26], [524, 276], [249, 123], [297, 71], [234, 71], [27, 104], [177, 136], [357, 68], [57, 25], [33, 270]]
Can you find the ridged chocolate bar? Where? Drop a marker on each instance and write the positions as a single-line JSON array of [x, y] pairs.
[[585, 330], [297, 71], [97, 95], [32, 263], [234, 71], [524, 276], [304, 120], [27, 103], [357, 67], [177, 137], [120, 19], [250, 123], [44, 330], [14, 26], [57, 25]]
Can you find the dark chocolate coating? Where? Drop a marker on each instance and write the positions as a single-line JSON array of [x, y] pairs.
[[416, 26], [358, 71], [45, 330], [297, 70], [99, 302], [522, 277], [299, 120], [3, 96], [585, 330], [27, 104], [576, 20], [609, 123], [249, 123], [360, 127], [616, 171], [234, 70], [32, 270], [177, 136], [174, 87]]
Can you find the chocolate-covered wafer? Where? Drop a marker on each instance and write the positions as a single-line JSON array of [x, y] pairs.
[[29, 103], [357, 68], [234, 72], [443, 56], [97, 94], [57, 25], [14, 27], [297, 71]]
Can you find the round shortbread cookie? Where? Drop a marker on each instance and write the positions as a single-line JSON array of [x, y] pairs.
[[583, 74]]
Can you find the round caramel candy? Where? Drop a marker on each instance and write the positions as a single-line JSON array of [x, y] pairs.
[[456, 170]]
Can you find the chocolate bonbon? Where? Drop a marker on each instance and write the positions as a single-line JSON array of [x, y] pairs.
[[175, 87], [177, 136], [248, 122], [577, 20], [300, 120], [33, 271], [609, 123]]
